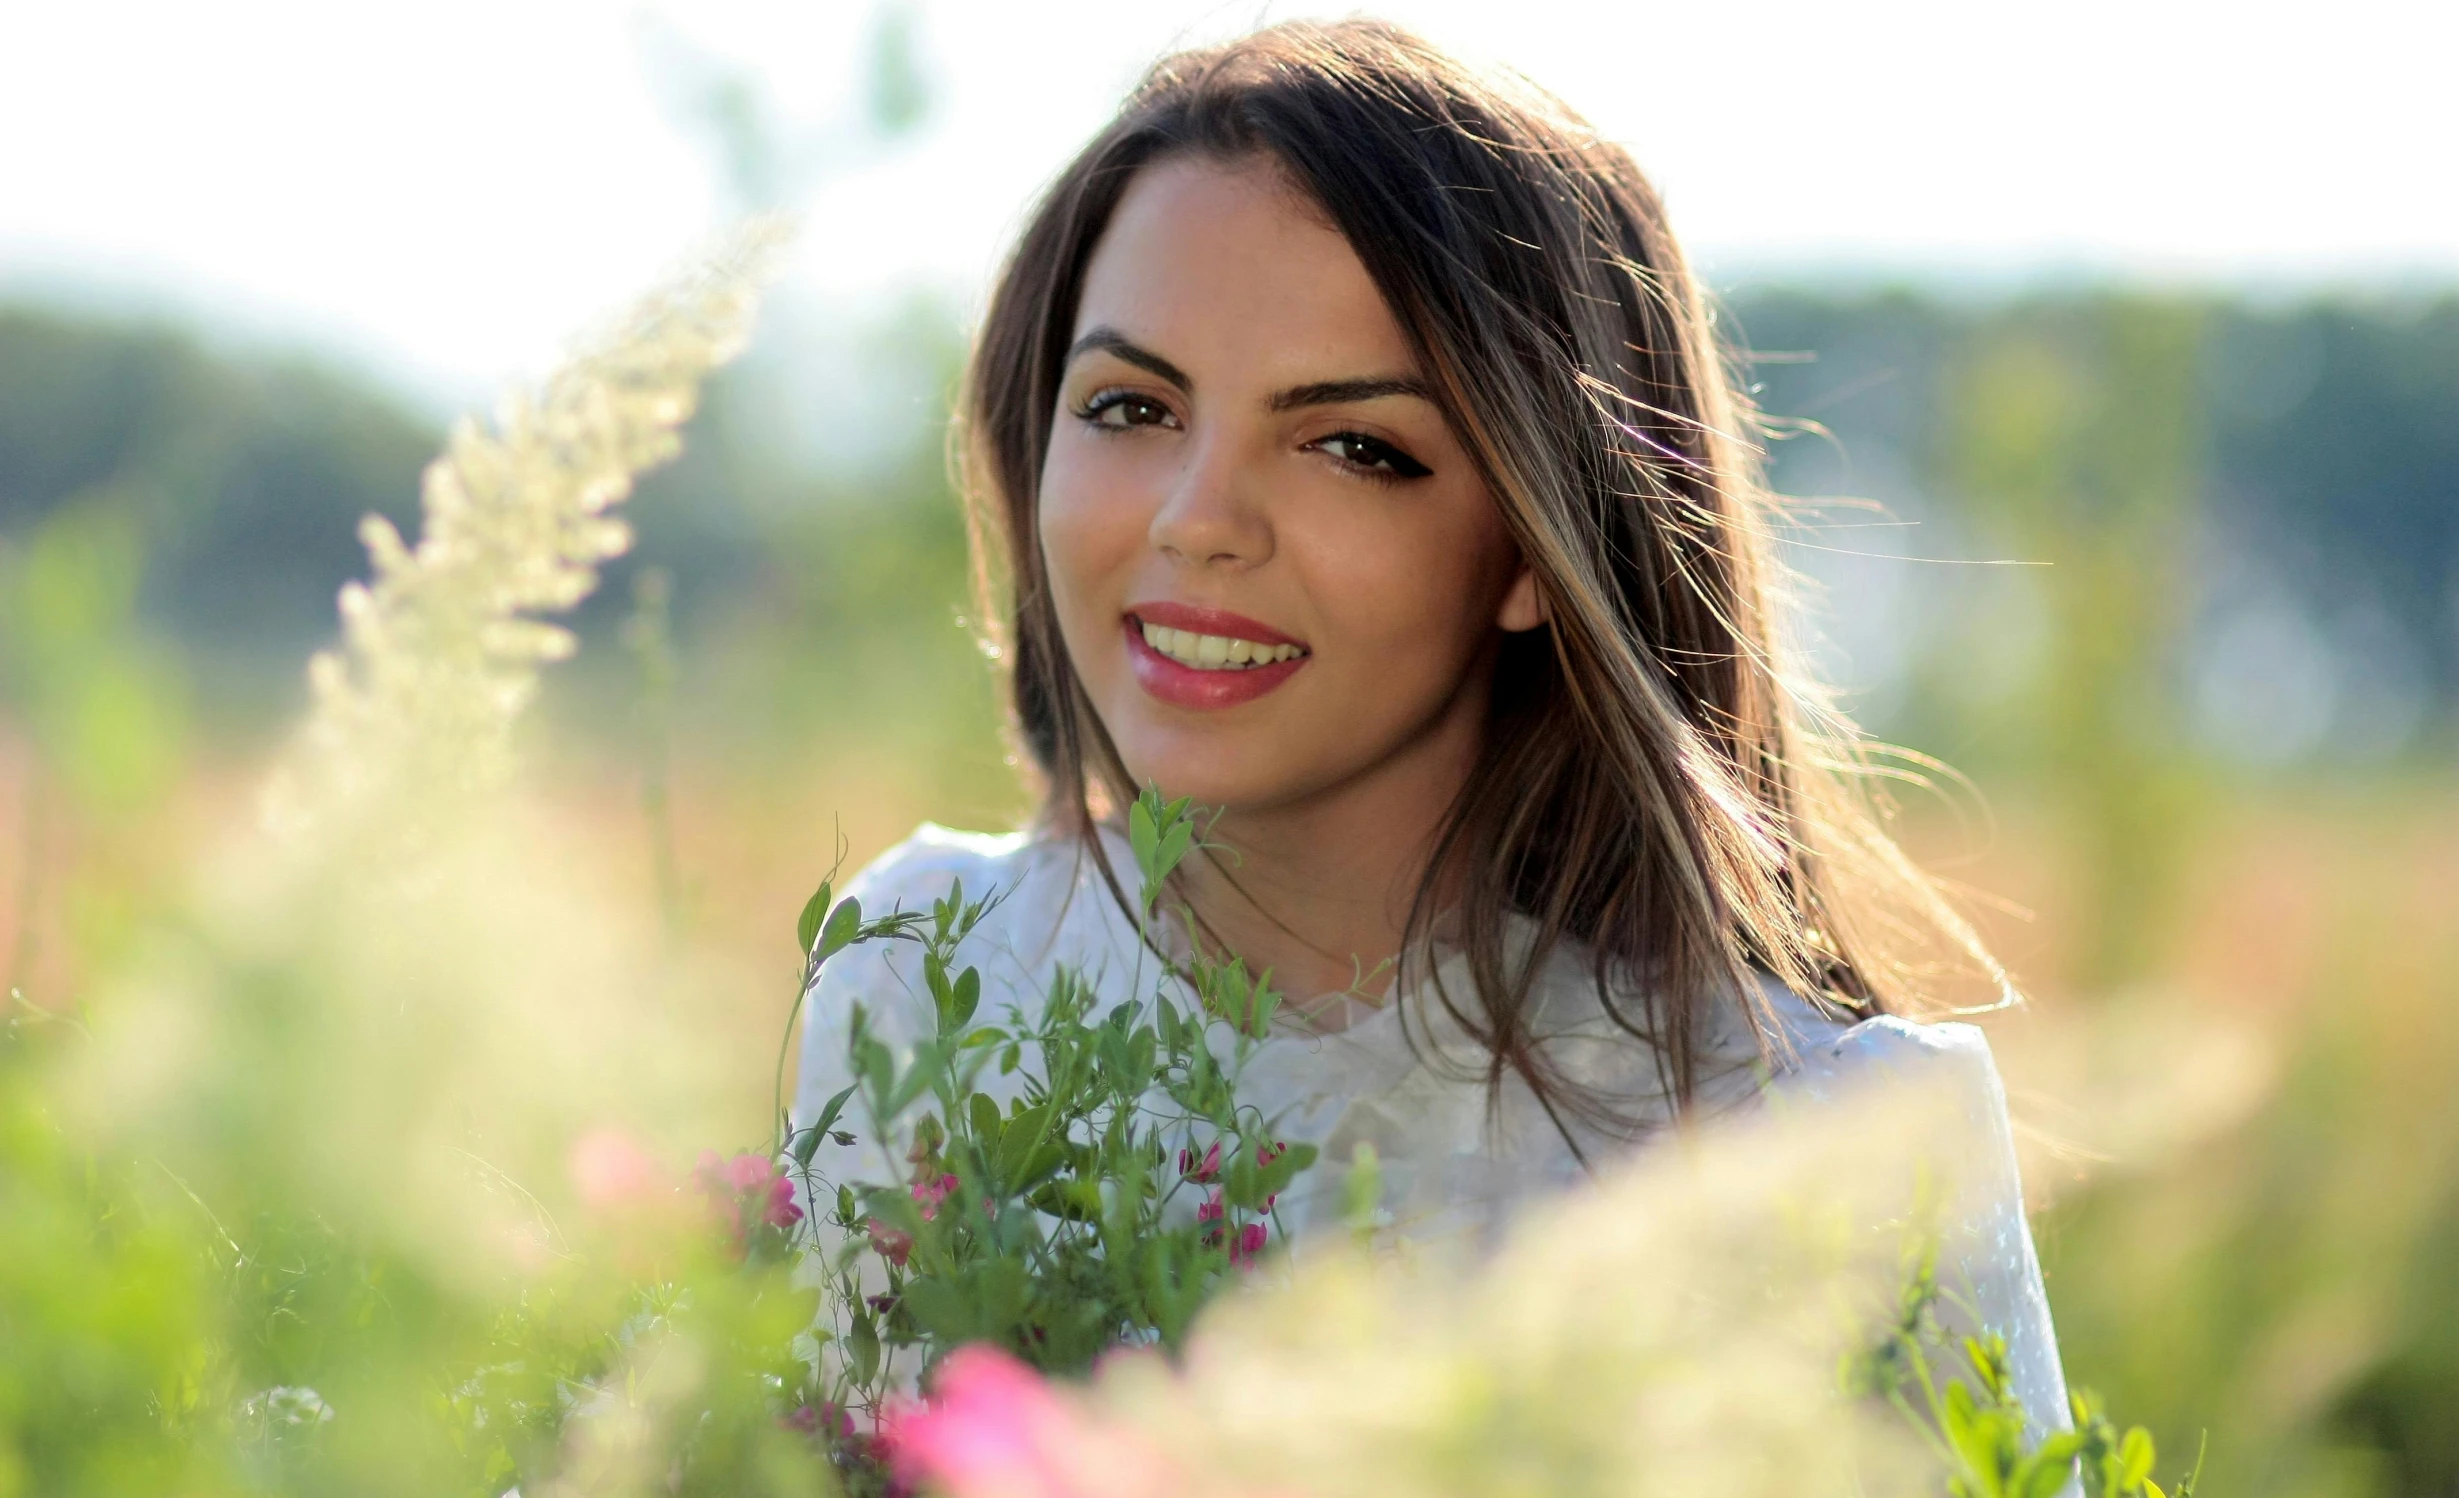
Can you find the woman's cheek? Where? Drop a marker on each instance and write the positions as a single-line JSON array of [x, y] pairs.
[[1087, 541], [1401, 592]]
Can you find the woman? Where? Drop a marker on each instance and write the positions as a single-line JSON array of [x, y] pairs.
[[1357, 458]]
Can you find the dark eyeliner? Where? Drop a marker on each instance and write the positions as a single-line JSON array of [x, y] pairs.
[[1402, 466]]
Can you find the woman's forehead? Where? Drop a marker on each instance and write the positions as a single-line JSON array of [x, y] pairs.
[[1227, 265]]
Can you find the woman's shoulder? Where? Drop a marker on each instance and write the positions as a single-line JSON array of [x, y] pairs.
[[1811, 1049], [1834, 1054], [1961, 1131], [1941, 1069]]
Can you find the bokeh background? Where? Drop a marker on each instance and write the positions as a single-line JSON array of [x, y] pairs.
[[2113, 352]]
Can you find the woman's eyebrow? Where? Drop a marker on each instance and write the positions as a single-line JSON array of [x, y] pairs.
[[1342, 392], [1119, 346]]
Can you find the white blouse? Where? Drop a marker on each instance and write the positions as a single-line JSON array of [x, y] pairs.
[[1452, 1160]]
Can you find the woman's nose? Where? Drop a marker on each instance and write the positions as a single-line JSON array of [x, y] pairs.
[[1213, 515]]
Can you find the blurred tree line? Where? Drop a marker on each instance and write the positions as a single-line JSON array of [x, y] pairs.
[[2194, 455], [200, 505], [2140, 461]]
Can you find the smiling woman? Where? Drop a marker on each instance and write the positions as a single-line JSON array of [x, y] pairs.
[[1358, 459], [1248, 458]]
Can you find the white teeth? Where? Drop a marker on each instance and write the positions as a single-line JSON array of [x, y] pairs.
[[1215, 652]]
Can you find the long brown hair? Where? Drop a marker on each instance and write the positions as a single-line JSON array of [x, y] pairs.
[[1658, 784]]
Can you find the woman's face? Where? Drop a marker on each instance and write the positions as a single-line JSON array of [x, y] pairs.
[[1275, 569]]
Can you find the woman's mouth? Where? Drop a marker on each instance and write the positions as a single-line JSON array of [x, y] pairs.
[[1203, 658], [1215, 652]]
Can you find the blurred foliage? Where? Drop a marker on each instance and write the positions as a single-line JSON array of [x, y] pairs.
[[2140, 453], [175, 516], [228, 485]]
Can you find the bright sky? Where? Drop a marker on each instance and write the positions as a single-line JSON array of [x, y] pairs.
[[448, 189]]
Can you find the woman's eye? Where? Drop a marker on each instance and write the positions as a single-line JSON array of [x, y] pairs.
[[1124, 408], [1372, 455]]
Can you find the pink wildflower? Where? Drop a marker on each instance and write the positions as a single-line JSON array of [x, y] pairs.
[[609, 1170], [1250, 1243], [824, 1417], [748, 1191], [1211, 1209], [993, 1429], [1204, 1172], [889, 1243], [931, 1193]]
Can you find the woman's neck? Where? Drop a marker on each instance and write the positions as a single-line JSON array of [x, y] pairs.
[[1319, 889]]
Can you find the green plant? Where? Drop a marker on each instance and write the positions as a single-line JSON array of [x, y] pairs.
[[1103, 1206], [1972, 1422]]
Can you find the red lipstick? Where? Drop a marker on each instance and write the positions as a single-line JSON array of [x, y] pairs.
[[1182, 685], [1201, 621]]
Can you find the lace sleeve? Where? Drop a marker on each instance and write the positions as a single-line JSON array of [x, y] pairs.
[[1988, 1269]]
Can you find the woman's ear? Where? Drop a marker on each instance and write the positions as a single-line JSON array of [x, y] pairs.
[[1524, 606]]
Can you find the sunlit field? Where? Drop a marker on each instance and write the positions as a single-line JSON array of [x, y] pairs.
[[339, 1159]]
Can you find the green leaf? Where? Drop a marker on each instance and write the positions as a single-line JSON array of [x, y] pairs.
[[1021, 1137], [968, 995], [2044, 1474], [1161, 834], [1076, 1201], [1000, 1290], [1241, 1182], [1959, 1420], [807, 925], [831, 1111], [863, 1343], [1173, 850], [928, 1065], [1112, 1051], [940, 1309], [1274, 1178], [1144, 835], [2135, 1458], [1037, 1165], [844, 924], [1260, 1009], [983, 1114]]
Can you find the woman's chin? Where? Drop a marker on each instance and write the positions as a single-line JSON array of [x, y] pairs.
[[1225, 775]]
